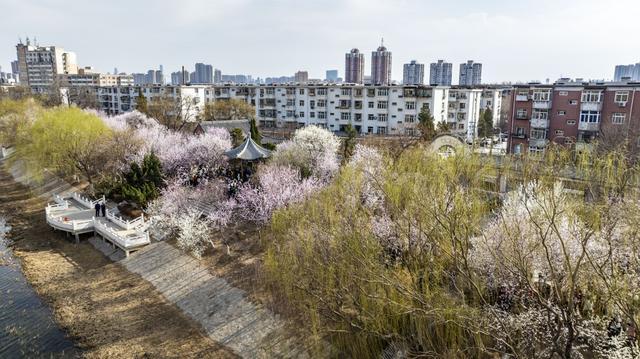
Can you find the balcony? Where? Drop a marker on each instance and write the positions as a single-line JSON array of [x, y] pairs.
[[538, 142], [588, 126], [521, 116], [539, 122], [591, 106], [522, 98], [544, 105], [518, 135]]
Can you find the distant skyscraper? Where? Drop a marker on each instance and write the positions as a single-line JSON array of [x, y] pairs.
[[354, 67], [332, 76], [178, 77], [381, 66], [217, 76], [301, 77], [139, 79], [14, 67], [204, 74], [440, 73], [115, 70], [413, 73], [470, 74], [632, 72]]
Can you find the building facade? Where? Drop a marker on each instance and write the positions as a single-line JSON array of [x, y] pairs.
[[413, 73], [470, 74], [376, 110], [354, 67], [573, 114], [203, 74], [628, 72], [440, 73], [40, 66], [331, 76], [301, 77], [381, 66]]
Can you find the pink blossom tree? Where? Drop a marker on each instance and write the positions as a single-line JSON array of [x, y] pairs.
[[277, 187]]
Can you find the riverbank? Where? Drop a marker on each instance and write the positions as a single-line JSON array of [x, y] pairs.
[[106, 310]]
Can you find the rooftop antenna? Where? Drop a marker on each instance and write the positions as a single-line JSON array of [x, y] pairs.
[[382, 42], [28, 42]]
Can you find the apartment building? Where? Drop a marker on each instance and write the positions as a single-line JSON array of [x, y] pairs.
[[413, 73], [573, 113], [40, 66], [440, 73], [87, 77], [470, 74], [354, 67], [382, 110], [381, 66]]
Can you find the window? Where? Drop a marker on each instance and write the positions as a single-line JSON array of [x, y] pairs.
[[382, 117], [370, 129], [540, 114], [573, 102], [301, 91], [461, 126], [301, 102], [322, 91], [312, 115], [618, 118], [520, 131], [383, 92], [382, 130], [382, 104], [345, 116], [358, 92], [462, 105], [571, 122], [559, 132], [371, 117], [291, 102], [591, 96], [358, 117], [322, 115], [590, 116], [346, 92], [541, 95], [410, 118], [301, 114], [622, 97], [312, 104], [563, 93], [521, 113], [290, 113], [371, 105], [270, 91], [562, 113], [538, 134]]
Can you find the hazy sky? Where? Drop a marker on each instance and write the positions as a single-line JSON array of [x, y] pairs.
[[515, 40]]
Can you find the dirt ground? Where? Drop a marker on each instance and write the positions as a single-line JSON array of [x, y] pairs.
[[107, 311]]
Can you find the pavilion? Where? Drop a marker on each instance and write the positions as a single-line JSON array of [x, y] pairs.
[[249, 150]]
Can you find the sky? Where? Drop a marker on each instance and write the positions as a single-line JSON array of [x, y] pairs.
[[514, 40]]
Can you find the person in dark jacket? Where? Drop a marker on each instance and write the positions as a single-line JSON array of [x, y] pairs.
[[97, 207], [103, 209]]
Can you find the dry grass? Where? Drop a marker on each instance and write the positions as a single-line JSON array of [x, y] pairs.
[[107, 311]]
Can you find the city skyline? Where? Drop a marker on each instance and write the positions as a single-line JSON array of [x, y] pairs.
[[491, 33]]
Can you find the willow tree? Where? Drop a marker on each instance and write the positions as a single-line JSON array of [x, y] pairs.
[[67, 141]]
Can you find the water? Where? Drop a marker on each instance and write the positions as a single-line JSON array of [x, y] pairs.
[[27, 328]]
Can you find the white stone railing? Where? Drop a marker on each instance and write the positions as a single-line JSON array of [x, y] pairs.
[[125, 224], [85, 201], [124, 242]]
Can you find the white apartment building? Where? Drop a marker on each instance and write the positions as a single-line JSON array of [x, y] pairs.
[[463, 112], [492, 100], [382, 110]]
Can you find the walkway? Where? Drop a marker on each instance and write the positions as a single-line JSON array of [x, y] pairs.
[[222, 310]]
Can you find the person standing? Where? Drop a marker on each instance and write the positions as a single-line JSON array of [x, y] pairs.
[[103, 209], [97, 207]]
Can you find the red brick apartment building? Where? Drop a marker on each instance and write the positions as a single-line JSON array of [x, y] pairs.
[[573, 113]]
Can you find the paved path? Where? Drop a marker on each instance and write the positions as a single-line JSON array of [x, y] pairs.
[[222, 310]]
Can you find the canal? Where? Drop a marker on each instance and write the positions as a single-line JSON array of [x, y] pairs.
[[27, 328]]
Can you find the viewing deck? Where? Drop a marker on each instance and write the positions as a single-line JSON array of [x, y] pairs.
[[76, 215]]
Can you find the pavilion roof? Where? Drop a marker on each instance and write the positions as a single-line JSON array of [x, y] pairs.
[[249, 150]]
